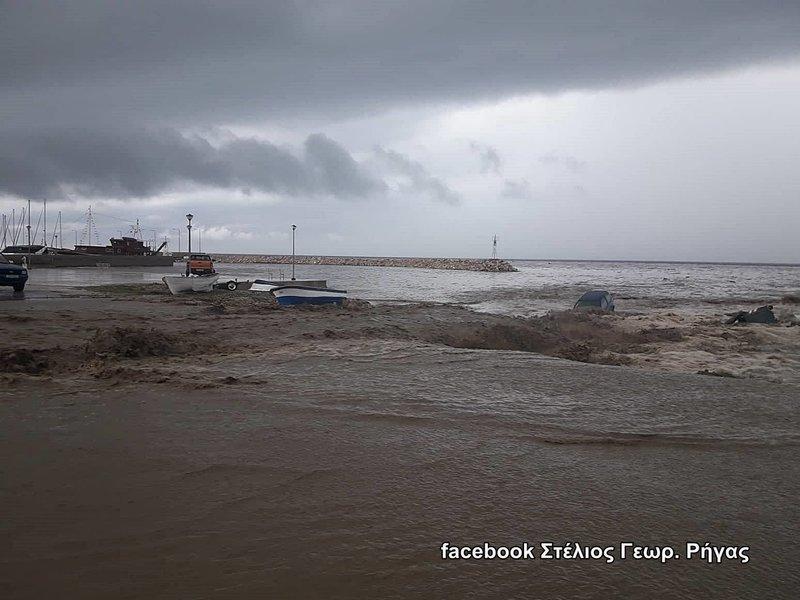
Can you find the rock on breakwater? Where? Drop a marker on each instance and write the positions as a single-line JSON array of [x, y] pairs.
[[452, 264]]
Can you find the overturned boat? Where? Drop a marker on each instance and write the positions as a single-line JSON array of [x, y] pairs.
[[289, 295], [180, 284]]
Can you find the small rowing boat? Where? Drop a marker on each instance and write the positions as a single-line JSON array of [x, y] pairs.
[[179, 284], [266, 285], [288, 295]]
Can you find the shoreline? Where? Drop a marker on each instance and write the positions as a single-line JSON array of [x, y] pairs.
[[674, 341], [489, 265]]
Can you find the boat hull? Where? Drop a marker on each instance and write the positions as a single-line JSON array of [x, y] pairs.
[[91, 260], [314, 283], [188, 285], [292, 295]]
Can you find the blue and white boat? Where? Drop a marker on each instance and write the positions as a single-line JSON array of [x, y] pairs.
[[267, 285], [288, 295]]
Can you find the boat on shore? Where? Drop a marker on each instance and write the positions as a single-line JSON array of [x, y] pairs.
[[180, 284], [290, 295], [267, 285], [121, 252]]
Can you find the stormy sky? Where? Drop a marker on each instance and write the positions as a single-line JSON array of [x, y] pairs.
[[617, 129]]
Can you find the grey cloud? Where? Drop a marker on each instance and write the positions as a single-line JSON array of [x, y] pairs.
[[335, 170], [142, 163], [189, 62], [490, 159], [517, 189], [418, 179], [567, 161]]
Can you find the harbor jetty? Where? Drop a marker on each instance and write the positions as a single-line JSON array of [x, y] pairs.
[[452, 264]]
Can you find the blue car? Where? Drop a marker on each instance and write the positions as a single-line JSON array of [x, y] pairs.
[[13, 275]]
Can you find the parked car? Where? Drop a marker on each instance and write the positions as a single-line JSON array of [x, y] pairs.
[[200, 264], [13, 275], [595, 300]]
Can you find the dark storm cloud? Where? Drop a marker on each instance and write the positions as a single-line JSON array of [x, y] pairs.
[[189, 61], [142, 163], [335, 171], [417, 178]]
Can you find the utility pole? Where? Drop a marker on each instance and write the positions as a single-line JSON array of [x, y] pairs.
[[293, 229]]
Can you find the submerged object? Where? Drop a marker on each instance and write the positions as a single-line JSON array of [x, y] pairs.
[[595, 300], [288, 295], [179, 284], [763, 314]]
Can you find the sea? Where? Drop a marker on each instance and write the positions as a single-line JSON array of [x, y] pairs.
[[537, 287]]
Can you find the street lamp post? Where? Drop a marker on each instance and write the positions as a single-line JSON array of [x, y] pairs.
[[293, 229], [189, 218], [28, 261]]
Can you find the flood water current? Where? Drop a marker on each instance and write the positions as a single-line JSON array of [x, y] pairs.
[[343, 468]]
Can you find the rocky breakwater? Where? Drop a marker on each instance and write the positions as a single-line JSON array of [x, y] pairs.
[[452, 264]]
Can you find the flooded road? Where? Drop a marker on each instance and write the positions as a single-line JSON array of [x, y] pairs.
[[339, 473], [167, 448]]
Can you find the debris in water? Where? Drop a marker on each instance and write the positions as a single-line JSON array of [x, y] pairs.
[[763, 314]]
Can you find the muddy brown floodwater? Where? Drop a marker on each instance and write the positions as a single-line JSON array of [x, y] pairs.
[[221, 447]]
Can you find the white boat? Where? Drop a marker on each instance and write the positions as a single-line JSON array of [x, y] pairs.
[[180, 284], [262, 286], [288, 295], [267, 285]]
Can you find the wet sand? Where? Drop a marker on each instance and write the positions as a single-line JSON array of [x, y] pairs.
[[224, 448]]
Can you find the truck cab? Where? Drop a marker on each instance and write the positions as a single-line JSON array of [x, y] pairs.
[[200, 264]]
